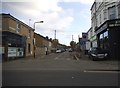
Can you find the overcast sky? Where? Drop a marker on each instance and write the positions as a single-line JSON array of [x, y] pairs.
[[67, 17]]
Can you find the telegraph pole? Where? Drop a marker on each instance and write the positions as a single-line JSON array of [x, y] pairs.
[[55, 34], [29, 21], [72, 37], [78, 37], [55, 41]]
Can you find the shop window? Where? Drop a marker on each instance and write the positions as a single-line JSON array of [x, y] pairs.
[[101, 36], [106, 34], [29, 47], [101, 41], [104, 40]]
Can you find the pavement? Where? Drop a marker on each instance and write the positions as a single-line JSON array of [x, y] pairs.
[[109, 64]]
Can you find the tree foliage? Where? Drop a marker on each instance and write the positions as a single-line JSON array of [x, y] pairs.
[[72, 44]]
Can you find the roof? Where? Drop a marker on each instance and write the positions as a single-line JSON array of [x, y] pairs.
[[12, 17], [43, 37], [92, 5], [89, 29]]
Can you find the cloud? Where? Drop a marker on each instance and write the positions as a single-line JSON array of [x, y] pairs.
[[53, 15], [80, 1]]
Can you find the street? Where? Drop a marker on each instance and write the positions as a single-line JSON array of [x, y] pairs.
[[59, 69]]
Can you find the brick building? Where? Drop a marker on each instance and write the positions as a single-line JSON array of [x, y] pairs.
[[17, 38], [41, 43]]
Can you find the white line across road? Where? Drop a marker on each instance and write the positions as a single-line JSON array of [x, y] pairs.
[[57, 57], [61, 56], [102, 71]]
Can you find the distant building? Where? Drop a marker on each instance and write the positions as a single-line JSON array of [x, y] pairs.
[[41, 44], [105, 21], [89, 38], [82, 41], [17, 38]]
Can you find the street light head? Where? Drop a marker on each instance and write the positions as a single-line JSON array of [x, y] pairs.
[[40, 21]]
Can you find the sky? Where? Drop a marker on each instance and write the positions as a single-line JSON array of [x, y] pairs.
[[67, 17]]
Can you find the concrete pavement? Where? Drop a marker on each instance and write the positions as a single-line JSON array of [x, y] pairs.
[[96, 65]]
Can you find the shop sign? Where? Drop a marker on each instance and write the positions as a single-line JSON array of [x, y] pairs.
[[115, 24], [93, 38], [101, 28]]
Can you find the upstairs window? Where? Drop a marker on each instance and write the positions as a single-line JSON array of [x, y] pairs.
[[29, 47], [100, 18], [105, 14], [84, 36], [119, 11], [18, 28], [112, 13], [29, 34]]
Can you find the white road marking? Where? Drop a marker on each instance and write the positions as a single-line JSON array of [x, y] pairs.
[[76, 57], [57, 57], [68, 58], [72, 77]]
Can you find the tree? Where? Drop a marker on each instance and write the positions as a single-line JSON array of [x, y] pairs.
[[72, 44]]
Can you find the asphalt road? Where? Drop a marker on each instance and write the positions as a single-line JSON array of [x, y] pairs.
[[58, 70]]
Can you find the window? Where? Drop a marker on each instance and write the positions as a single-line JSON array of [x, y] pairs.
[[105, 14], [112, 12], [106, 34], [29, 34], [103, 42], [100, 19], [18, 28], [29, 47], [101, 36], [84, 36], [119, 11]]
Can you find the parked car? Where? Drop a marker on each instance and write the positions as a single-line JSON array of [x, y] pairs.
[[62, 49], [70, 49], [96, 53], [58, 51]]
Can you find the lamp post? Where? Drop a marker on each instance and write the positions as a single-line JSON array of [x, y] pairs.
[[34, 34]]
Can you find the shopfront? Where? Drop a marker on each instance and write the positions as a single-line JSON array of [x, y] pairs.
[[93, 41], [12, 46], [109, 37]]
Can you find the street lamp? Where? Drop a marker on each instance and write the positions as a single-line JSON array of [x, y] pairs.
[[34, 34]]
